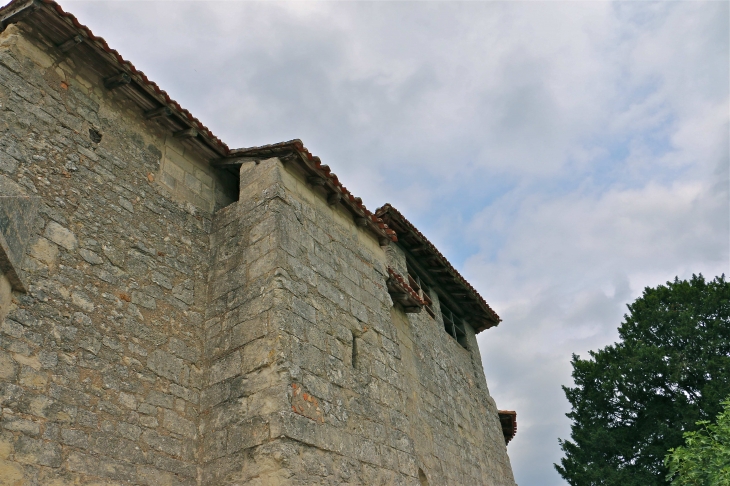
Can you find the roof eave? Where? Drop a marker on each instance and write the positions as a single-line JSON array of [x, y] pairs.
[[482, 316], [318, 175], [70, 37]]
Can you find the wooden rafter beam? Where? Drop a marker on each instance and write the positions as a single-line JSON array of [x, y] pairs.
[[71, 43], [163, 111], [186, 133], [116, 81], [334, 198], [18, 12], [233, 161]]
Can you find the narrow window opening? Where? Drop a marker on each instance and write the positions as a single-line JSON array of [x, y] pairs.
[[226, 186], [454, 326], [422, 477], [448, 318], [354, 350], [460, 333]]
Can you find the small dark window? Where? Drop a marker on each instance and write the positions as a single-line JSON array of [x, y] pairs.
[[422, 477], [354, 350], [454, 326], [94, 135]]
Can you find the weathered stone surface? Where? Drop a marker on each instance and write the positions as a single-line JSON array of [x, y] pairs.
[[305, 404], [167, 366], [18, 212], [61, 236], [35, 451], [178, 425], [171, 335], [350, 358]]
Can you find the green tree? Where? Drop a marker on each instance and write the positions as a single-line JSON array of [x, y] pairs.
[[704, 460], [633, 400]]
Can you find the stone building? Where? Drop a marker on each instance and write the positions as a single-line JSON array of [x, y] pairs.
[[175, 312]]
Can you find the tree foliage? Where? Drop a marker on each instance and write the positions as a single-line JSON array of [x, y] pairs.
[[634, 400], [704, 460]]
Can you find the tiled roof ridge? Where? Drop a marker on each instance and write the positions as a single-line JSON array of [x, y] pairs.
[[126, 66], [323, 170], [140, 77], [389, 208], [511, 430], [403, 285]]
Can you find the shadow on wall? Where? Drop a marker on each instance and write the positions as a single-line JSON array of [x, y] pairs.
[[422, 477]]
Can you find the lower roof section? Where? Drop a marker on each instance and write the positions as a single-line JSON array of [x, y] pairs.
[[479, 314]]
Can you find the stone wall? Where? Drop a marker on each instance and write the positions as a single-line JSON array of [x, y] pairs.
[[171, 336], [315, 378], [100, 360]]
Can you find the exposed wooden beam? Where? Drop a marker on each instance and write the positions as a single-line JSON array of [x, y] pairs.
[[316, 180], [234, 161], [71, 43], [440, 270], [17, 12], [334, 198], [362, 222], [158, 112], [187, 133], [287, 157], [116, 81]]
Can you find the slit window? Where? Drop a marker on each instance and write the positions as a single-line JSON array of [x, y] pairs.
[[454, 326], [354, 350]]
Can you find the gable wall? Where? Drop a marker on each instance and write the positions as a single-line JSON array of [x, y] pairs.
[[99, 360], [315, 378], [160, 343]]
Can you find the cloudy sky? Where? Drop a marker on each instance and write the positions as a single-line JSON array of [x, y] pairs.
[[564, 155]]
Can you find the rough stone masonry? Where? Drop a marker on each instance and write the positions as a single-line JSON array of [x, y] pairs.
[[175, 312]]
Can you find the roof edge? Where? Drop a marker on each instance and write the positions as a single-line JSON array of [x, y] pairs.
[[318, 174], [389, 214], [28, 10], [154, 99]]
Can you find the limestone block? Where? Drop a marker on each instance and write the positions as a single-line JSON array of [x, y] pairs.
[[61, 236], [11, 474], [37, 452], [162, 443], [100, 466], [6, 300], [45, 251], [8, 367], [179, 425], [168, 366], [226, 367], [248, 433]]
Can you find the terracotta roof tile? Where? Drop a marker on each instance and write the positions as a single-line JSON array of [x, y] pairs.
[[508, 421], [396, 283], [317, 167], [315, 164], [389, 214], [124, 65]]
